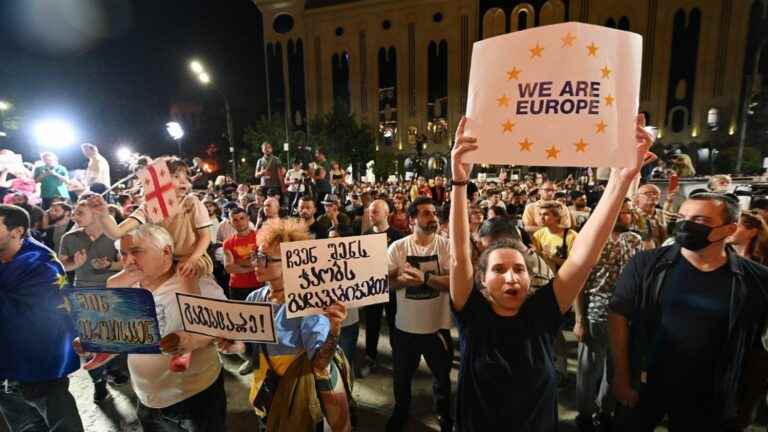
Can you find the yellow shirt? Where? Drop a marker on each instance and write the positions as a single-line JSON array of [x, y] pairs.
[[549, 244]]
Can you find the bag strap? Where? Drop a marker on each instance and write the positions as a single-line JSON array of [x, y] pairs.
[[263, 348]]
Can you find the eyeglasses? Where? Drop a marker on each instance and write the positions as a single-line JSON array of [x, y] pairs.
[[262, 260]]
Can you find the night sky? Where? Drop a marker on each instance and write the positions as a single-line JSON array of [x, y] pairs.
[[113, 68]]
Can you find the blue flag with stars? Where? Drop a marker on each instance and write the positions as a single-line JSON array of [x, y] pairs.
[[36, 332]]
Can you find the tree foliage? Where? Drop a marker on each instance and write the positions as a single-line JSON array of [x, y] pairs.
[[342, 137]]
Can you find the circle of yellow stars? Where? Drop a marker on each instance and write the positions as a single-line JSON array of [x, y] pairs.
[[513, 74]]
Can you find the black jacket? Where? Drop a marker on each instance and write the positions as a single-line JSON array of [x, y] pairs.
[[638, 298]]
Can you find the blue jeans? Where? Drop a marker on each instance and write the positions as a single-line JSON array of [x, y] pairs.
[[348, 341], [43, 406]]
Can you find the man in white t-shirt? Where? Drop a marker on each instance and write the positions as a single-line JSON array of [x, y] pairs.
[[294, 178], [98, 167], [418, 272], [194, 397]]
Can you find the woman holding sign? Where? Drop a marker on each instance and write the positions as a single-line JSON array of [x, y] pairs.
[[304, 354], [507, 377]]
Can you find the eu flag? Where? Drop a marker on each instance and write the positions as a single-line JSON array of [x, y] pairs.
[[36, 332]]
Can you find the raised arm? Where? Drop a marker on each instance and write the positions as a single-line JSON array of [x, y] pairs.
[[111, 228], [460, 275], [593, 235]]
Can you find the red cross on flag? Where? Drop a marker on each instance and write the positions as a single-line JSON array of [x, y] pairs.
[[159, 192]]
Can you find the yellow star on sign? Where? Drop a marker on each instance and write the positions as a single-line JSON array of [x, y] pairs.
[[503, 101], [552, 152], [601, 127], [568, 40], [507, 125], [581, 146], [514, 73], [61, 280], [525, 145], [592, 50], [606, 72], [536, 51], [609, 100]]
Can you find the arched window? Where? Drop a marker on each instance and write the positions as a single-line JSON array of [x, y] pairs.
[[493, 22], [340, 69], [610, 22], [296, 82], [523, 16], [623, 23], [275, 78], [437, 78], [552, 12], [388, 95]]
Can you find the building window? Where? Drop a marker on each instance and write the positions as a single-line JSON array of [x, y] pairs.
[[610, 22], [493, 22], [388, 95], [341, 91], [386, 24], [339, 31], [523, 16], [437, 17], [623, 23]]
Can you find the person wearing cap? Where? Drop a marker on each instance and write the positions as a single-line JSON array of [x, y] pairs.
[[334, 219], [691, 315], [649, 220]]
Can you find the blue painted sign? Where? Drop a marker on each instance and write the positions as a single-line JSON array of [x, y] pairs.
[[115, 320]]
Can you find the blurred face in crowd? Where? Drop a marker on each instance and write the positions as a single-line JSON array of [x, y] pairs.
[[506, 280], [624, 221], [331, 209], [547, 191], [240, 222], [89, 151], [426, 219], [83, 216], [710, 213], [549, 219], [307, 209], [49, 159], [378, 213], [266, 149], [57, 213], [494, 199], [580, 201], [19, 199], [647, 197], [271, 208], [399, 202], [211, 207], [476, 218], [744, 234], [270, 270]]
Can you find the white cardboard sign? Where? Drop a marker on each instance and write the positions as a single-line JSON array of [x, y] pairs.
[[252, 322], [558, 95], [348, 270]]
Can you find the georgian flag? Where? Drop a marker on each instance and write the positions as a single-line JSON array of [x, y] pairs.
[[159, 192]]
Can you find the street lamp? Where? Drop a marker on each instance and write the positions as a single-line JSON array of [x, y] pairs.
[[197, 67], [176, 132], [54, 133], [5, 105]]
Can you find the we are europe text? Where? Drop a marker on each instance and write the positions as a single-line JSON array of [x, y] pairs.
[[573, 97]]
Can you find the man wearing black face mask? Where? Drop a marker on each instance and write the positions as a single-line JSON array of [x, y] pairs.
[[690, 314]]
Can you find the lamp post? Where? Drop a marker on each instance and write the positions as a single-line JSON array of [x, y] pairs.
[[176, 132], [204, 78], [713, 122]]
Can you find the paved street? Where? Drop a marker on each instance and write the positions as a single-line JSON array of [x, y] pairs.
[[374, 395]]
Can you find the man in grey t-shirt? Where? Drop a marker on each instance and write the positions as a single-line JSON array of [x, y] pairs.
[[268, 169]]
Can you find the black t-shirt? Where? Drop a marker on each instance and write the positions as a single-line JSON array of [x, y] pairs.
[[693, 329], [507, 378]]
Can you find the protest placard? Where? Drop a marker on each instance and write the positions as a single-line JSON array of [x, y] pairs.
[[349, 270], [558, 95], [11, 162], [159, 192], [114, 320], [252, 322]]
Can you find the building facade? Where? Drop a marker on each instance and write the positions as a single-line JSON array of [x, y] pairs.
[[403, 65]]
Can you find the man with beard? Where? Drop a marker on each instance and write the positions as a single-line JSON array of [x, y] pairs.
[[418, 271], [593, 381], [579, 210], [307, 210], [334, 219], [269, 171], [56, 222], [378, 213]]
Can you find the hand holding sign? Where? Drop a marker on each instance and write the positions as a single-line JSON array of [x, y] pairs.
[[463, 144], [336, 314], [557, 95]]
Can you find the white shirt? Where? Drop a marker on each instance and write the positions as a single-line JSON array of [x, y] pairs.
[[98, 170], [295, 174], [155, 385], [421, 310]]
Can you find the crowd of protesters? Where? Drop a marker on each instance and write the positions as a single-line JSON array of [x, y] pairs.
[[666, 297]]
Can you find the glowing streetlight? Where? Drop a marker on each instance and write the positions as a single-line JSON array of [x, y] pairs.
[[124, 155], [5, 105], [204, 78], [196, 67], [54, 133], [174, 130]]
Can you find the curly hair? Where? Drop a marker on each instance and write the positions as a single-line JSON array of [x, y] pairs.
[[276, 231]]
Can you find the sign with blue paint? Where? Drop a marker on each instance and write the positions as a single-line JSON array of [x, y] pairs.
[[115, 320]]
